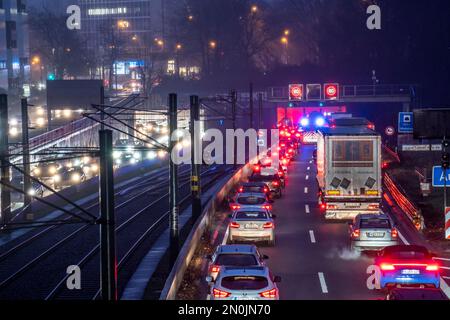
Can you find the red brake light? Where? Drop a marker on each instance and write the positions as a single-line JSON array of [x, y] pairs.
[[266, 190], [241, 190], [269, 225], [276, 183], [394, 233], [387, 267], [267, 207], [285, 161], [374, 206], [214, 268], [220, 293], [356, 234], [235, 207], [257, 168], [234, 225], [432, 267], [269, 294], [323, 206]]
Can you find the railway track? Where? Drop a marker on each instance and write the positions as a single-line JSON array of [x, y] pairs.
[[43, 275]]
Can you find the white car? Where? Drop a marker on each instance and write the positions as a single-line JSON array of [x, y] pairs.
[[253, 283], [252, 224], [235, 255]]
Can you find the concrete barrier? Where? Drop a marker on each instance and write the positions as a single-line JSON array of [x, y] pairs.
[[212, 202]]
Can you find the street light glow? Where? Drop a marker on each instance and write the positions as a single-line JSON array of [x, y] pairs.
[[213, 44]]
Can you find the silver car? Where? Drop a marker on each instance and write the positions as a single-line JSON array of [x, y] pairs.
[[235, 255], [253, 283], [372, 232], [252, 224], [251, 200]]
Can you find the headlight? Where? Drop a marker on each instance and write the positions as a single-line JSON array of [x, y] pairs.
[[32, 192], [94, 167], [57, 178], [76, 177], [304, 122], [52, 170], [151, 155], [117, 154], [37, 171], [320, 122], [86, 160], [137, 155]]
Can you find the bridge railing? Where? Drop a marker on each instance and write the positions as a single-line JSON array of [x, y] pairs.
[[352, 91]]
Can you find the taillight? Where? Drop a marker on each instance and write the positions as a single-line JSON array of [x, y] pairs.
[[269, 225], [432, 267], [323, 206], [332, 207], [257, 168], [291, 150], [267, 207], [394, 233], [269, 294], [217, 293], [234, 225], [356, 234], [280, 173], [374, 206], [214, 268], [241, 190], [285, 161], [276, 183], [387, 267], [266, 190], [235, 207]]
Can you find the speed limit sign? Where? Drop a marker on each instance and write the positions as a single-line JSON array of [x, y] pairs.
[[390, 131]]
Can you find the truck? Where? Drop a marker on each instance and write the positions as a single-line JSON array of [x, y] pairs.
[[349, 171]]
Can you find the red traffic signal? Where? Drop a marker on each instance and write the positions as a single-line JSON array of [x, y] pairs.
[[331, 91], [295, 92]]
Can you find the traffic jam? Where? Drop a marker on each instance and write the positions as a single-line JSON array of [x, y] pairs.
[[347, 152]]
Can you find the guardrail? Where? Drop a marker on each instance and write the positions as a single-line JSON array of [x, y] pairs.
[[411, 210], [202, 226]]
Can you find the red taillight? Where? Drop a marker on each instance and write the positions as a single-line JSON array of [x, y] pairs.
[[276, 183], [432, 267], [332, 207], [235, 207], [394, 233], [257, 168], [214, 268], [385, 165], [283, 145], [323, 206], [269, 225], [267, 207], [280, 173], [285, 161], [269, 294], [266, 190], [374, 207], [241, 190], [356, 234], [220, 293], [291, 150], [298, 135], [234, 225], [387, 267]]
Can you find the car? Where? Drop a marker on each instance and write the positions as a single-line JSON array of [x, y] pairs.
[[256, 187], [252, 224], [234, 255], [36, 190], [273, 182], [407, 266], [251, 283], [68, 178], [428, 294], [250, 201], [370, 232], [46, 170]]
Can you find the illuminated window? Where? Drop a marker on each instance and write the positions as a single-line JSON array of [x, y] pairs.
[[106, 11], [171, 67]]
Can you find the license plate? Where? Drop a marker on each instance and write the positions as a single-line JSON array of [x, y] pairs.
[[352, 205], [251, 226], [409, 271], [375, 234]]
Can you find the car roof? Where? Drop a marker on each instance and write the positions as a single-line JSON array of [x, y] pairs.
[[237, 248], [370, 216], [261, 271], [254, 183]]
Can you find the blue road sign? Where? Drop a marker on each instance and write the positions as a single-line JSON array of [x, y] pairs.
[[406, 122], [439, 178]]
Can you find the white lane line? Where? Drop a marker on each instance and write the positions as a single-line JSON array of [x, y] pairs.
[[323, 284], [225, 237], [307, 210], [311, 235], [403, 238], [307, 177], [306, 189], [309, 168]]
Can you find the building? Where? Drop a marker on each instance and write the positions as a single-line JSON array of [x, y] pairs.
[[14, 48]]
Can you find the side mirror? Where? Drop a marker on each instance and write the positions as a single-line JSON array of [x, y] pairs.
[[277, 279], [265, 257], [209, 279]]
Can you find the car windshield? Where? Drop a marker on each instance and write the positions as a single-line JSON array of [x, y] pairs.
[[375, 224], [260, 215], [408, 255], [253, 189], [252, 200], [237, 260], [244, 283]]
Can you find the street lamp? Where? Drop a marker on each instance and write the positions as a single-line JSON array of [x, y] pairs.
[[287, 32], [213, 44], [254, 9], [35, 60], [178, 46]]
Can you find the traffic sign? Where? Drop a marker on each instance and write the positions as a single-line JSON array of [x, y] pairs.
[[390, 131], [331, 91], [295, 92], [439, 179], [406, 122], [447, 223]]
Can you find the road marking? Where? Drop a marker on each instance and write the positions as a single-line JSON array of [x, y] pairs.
[[403, 238], [225, 237], [306, 189], [323, 284], [307, 177], [310, 161], [307, 208], [311, 235], [309, 168]]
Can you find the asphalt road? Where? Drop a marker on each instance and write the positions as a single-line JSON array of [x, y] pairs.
[[312, 255]]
